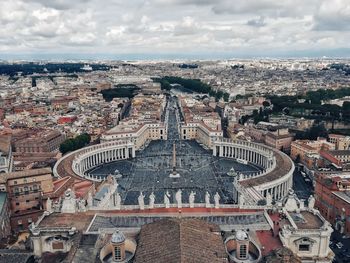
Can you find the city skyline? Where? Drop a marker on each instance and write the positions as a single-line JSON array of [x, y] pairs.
[[175, 29]]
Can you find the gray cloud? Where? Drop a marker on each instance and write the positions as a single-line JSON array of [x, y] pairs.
[[257, 22], [60, 4], [333, 16], [170, 26]]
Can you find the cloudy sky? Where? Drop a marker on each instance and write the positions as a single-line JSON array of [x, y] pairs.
[[156, 28]]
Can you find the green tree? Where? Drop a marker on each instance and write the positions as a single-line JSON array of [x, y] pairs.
[[76, 143], [226, 96], [266, 104]]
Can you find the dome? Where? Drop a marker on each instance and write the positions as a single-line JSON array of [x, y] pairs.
[[241, 235], [118, 237]]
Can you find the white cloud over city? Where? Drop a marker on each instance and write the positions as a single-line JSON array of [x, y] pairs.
[[173, 26]]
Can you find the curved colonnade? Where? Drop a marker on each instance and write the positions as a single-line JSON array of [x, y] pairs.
[[275, 179], [277, 175]]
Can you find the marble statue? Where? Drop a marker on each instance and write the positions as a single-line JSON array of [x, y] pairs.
[[191, 198], [311, 202], [292, 203], [207, 199], [141, 201], [166, 199], [268, 199], [81, 205], [49, 205], [152, 198], [89, 200], [69, 203], [118, 200], [241, 200], [178, 197], [216, 200], [56, 206]]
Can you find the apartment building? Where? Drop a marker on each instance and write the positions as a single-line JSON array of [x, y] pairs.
[[26, 190]]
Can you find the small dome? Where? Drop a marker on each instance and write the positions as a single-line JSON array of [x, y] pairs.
[[118, 237], [241, 235]]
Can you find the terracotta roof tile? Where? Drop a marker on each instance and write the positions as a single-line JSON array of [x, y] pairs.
[[180, 240]]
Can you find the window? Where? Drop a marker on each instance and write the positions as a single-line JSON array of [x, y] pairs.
[[117, 253], [14, 182], [243, 251], [304, 247], [57, 245]]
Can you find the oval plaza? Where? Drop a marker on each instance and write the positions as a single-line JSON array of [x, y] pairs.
[[160, 159]]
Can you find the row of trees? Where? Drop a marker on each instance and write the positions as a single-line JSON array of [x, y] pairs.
[[75, 143], [120, 91], [317, 130], [258, 115], [311, 104], [194, 85], [31, 68], [315, 97]]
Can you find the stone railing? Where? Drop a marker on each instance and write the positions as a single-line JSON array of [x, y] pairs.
[[184, 205]]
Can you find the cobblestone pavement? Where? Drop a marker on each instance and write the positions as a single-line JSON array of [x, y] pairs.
[[149, 172]]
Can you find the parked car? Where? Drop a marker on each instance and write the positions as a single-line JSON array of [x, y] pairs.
[[339, 245]]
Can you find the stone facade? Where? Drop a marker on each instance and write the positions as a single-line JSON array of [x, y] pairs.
[[5, 227], [6, 156]]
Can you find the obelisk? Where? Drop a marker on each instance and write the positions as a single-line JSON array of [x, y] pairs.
[[174, 158], [174, 174]]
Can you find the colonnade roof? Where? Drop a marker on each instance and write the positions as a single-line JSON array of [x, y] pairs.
[[283, 166]]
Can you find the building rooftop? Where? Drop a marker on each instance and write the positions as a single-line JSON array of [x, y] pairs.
[[227, 220], [306, 220], [345, 195], [5, 144], [28, 173], [16, 256], [180, 240], [79, 221], [283, 166]]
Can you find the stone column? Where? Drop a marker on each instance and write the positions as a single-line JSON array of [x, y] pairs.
[[133, 152], [37, 245]]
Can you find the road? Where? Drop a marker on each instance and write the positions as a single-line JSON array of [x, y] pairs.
[[342, 255], [302, 189]]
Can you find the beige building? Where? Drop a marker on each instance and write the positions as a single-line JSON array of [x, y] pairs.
[[341, 142], [44, 141], [200, 132], [25, 191], [280, 139], [143, 124], [304, 148], [305, 231], [137, 133]]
